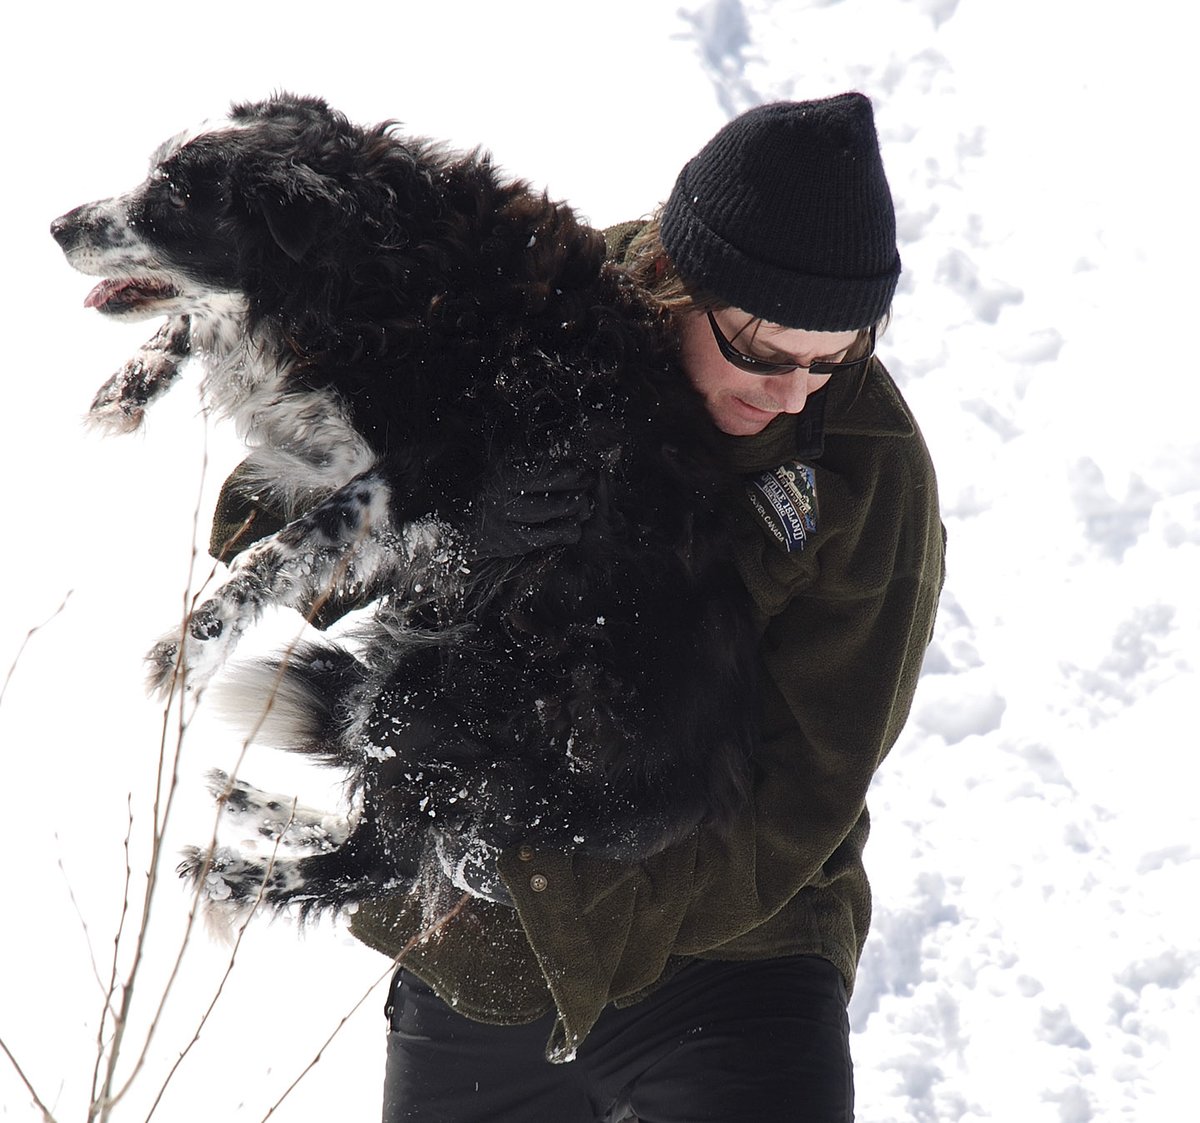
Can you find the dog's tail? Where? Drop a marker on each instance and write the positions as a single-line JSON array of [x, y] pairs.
[[307, 700]]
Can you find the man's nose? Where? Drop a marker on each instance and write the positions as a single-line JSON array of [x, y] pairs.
[[790, 391]]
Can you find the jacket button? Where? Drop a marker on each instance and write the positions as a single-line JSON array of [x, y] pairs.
[[538, 883], [525, 853]]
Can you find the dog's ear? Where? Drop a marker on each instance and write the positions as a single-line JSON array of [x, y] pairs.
[[292, 223], [296, 209]]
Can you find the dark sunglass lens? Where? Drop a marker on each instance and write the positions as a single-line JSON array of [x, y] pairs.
[[760, 366], [752, 365], [852, 364], [736, 358]]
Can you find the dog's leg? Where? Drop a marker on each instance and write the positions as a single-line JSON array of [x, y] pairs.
[[369, 863], [120, 404], [276, 817], [345, 544], [232, 884]]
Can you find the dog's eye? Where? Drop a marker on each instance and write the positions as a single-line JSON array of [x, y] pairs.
[[169, 189]]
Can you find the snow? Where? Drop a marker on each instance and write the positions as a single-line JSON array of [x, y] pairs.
[[1035, 953]]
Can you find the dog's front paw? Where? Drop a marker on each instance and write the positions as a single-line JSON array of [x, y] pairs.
[[206, 642], [120, 404], [161, 663], [112, 411]]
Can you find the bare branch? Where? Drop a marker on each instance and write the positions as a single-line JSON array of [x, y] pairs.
[[177, 683], [47, 1117], [109, 1052], [101, 1047], [83, 924], [229, 966], [28, 637], [162, 809], [104, 1102], [178, 680], [420, 937]]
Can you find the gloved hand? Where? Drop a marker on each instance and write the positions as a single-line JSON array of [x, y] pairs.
[[524, 510]]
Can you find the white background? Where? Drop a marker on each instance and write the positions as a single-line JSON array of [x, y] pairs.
[[1035, 856]]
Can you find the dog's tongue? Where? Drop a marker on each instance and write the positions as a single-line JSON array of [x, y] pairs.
[[104, 292]]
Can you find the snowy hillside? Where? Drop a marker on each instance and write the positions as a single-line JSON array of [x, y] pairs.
[[1036, 842]]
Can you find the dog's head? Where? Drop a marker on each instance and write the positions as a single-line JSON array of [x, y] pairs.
[[223, 210]]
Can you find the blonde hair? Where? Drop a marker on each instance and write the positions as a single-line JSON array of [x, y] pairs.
[[648, 263]]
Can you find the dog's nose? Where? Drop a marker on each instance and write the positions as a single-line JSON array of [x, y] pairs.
[[63, 229]]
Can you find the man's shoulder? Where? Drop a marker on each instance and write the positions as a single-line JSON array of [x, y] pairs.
[[618, 237]]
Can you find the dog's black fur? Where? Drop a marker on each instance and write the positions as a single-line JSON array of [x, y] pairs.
[[398, 332]]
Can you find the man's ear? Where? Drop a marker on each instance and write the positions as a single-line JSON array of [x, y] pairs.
[[296, 209]]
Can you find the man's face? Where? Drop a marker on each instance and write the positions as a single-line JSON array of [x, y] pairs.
[[740, 403]]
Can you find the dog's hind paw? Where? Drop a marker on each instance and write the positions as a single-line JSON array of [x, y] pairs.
[[223, 874], [208, 869], [232, 885], [278, 818], [229, 888]]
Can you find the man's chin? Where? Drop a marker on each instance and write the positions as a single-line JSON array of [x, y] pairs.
[[740, 419]]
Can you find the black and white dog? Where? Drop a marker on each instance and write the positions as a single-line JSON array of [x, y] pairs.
[[398, 333]]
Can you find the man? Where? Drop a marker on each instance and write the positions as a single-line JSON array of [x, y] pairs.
[[710, 981]]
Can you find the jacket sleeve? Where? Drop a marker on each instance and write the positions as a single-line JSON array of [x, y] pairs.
[[241, 517], [244, 517]]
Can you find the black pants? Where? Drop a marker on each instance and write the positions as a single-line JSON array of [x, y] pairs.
[[721, 1043]]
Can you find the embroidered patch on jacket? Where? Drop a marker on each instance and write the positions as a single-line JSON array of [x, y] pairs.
[[786, 500]]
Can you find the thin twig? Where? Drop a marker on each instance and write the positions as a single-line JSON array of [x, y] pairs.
[[83, 924], [101, 1048], [47, 1117], [228, 545], [28, 637], [229, 966], [179, 675], [105, 1101], [184, 942], [156, 854], [420, 937], [177, 689], [161, 816]]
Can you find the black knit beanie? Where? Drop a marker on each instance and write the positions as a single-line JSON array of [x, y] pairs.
[[786, 214]]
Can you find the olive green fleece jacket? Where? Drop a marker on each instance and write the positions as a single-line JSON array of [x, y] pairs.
[[844, 624]]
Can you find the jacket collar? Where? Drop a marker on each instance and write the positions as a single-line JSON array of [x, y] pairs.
[[870, 406]]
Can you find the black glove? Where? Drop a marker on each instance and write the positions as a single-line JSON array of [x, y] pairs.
[[523, 511]]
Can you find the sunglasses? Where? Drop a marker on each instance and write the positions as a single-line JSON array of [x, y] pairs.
[[752, 365]]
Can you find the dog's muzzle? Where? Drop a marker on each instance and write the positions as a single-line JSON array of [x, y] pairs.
[[67, 229], [97, 240]]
